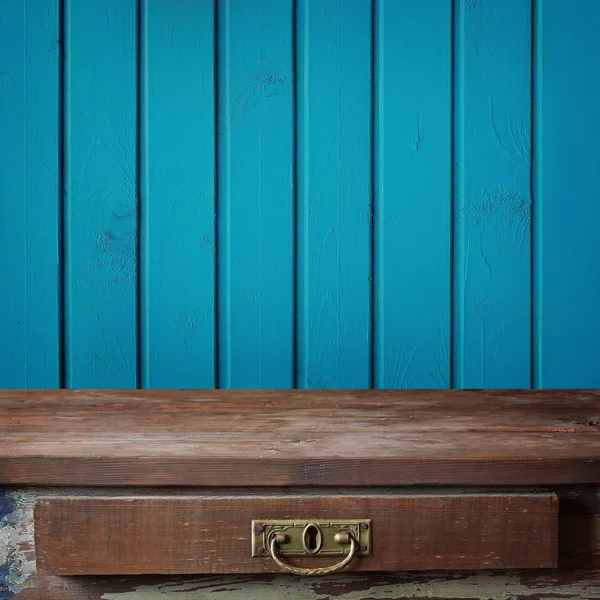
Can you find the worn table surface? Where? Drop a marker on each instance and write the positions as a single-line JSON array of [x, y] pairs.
[[577, 578], [274, 438]]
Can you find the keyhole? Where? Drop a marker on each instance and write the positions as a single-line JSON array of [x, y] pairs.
[[312, 539]]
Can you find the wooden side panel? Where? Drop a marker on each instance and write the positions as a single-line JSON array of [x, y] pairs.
[[101, 204], [256, 194], [29, 194], [178, 194], [567, 180], [413, 222], [334, 193], [129, 535], [492, 270]]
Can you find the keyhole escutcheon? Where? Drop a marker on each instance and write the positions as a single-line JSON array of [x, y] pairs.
[[312, 539]]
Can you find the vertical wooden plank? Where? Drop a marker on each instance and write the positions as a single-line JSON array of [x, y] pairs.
[[256, 199], [334, 193], [566, 184], [492, 270], [101, 193], [413, 182], [29, 194], [178, 194]]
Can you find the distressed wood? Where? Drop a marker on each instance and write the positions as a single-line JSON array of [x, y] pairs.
[[205, 534], [579, 527], [29, 194], [299, 437], [256, 194], [577, 576], [334, 40], [412, 210], [566, 182], [492, 211], [101, 193], [516, 585], [178, 194]]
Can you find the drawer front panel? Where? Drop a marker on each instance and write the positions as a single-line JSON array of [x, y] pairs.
[[212, 533]]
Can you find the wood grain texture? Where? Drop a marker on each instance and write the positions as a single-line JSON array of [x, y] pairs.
[[101, 195], [179, 535], [256, 194], [178, 194], [566, 179], [334, 40], [365, 88], [29, 194], [299, 438], [517, 585], [492, 210], [412, 158], [579, 555]]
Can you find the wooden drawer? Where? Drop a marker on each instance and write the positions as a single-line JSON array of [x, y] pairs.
[[211, 532]]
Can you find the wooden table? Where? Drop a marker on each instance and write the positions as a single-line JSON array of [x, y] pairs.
[[171, 482], [299, 438]]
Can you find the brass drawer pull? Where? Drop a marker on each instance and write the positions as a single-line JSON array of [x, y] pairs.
[[282, 538], [342, 538]]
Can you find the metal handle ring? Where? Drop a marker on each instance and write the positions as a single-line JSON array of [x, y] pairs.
[[304, 572]]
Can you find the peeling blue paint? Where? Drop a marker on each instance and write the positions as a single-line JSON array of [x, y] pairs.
[[7, 504], [5, 593]]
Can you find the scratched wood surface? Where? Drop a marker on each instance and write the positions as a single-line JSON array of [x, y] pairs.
[[516, 585], [492, 211], [205, 534], [29, 194], [274, 438], [334, 193], [178, 194], [101, 193], [566, 180], [577, 576], [256, 194], [413, 201]]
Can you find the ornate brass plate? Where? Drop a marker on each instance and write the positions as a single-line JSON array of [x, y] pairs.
[[316, 537]]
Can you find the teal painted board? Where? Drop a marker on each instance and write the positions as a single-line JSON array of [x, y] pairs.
[[567, 196], [310, 193], [334, 218], [29, 194], [256, 194], [492, 210], [177, 180], [413, 199], [101, 203]]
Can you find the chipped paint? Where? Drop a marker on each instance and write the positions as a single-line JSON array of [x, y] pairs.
[[17, 565], [17, 556], [492, 586], [5, 593]]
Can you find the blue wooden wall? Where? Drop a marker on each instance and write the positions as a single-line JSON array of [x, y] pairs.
[[299, 193]]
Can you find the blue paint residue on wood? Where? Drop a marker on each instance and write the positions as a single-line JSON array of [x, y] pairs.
[[5, 593], [309, 193], [7, 506]]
